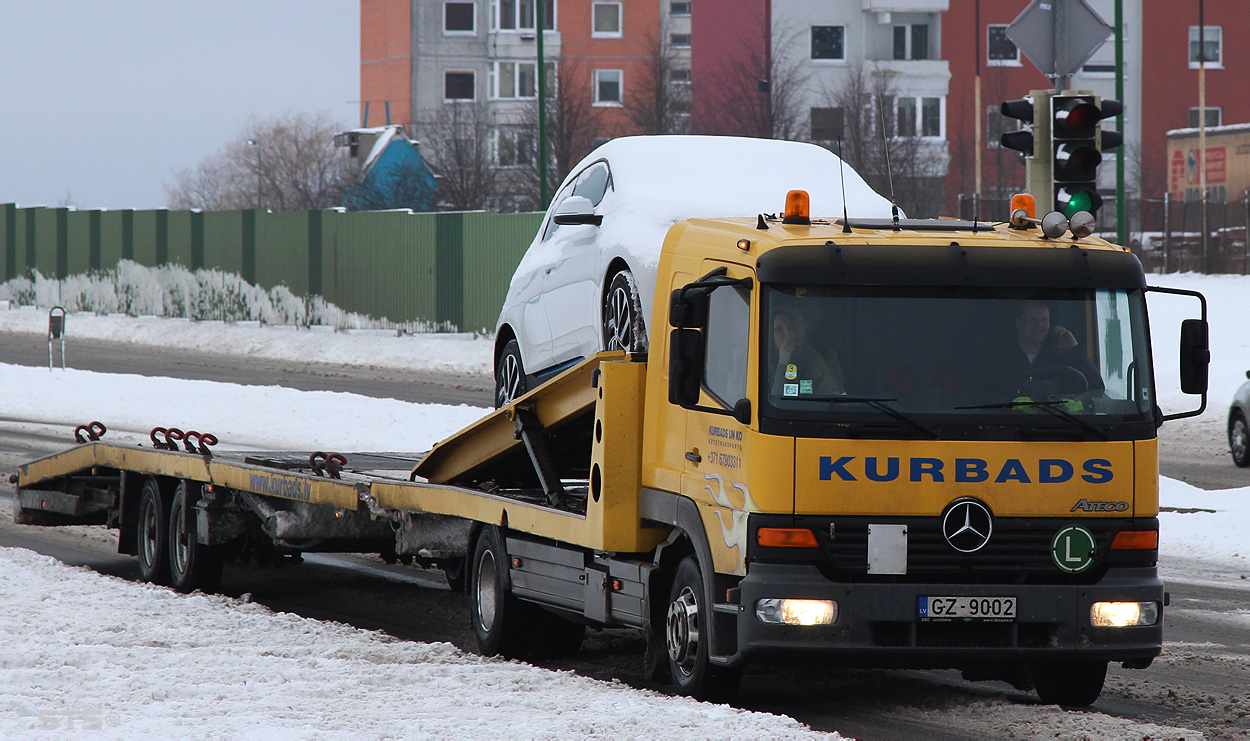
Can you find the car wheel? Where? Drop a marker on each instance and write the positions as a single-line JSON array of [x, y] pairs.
[[622, 315], [509, 375], [1239, 439]]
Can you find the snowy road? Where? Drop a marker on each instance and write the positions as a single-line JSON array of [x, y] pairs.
[[1198, 685]]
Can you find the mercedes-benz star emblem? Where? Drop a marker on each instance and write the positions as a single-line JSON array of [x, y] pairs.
[[967, 525]]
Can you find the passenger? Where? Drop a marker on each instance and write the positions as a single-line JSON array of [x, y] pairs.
[[799, 369], [1042, 351]]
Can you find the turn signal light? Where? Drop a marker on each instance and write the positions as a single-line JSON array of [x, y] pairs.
[[785, 537], [798, 208], [1136, 540]]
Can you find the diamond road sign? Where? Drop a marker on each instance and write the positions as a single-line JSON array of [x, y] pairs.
[[1058, 36]]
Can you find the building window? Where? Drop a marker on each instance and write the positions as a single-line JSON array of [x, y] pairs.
[[514, 80], [918, 116], [1214, 117], [518, 15], [605, 20], [459, 18], [608, 87], [679, 76], [1212, 49], [459, 85], [514, 148], [1000, 51], [911, 41], [679, 8], [828, 42], [827, 124], [679, 107], [679, 40]]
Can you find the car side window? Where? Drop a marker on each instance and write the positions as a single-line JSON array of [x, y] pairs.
[[593, 183], [728, 331]]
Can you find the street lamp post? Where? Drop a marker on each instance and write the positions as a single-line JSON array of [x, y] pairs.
[[260, 174]]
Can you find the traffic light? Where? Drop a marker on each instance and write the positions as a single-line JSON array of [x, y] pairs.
[[1078, 143], [1022, 140]]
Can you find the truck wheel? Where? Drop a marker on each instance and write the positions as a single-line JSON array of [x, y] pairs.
[[456, 574], [1071, 683], [192, 565], [622, 315], [499, 618], [509, 375], [689, 612], [151, 535]]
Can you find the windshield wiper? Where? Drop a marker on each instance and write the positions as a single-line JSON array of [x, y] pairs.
[[878, 403], [1048, 405]]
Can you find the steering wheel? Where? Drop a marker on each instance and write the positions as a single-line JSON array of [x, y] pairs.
[[1057, 373]]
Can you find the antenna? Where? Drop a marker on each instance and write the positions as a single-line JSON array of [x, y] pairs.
[[885, 145], [846, 220]]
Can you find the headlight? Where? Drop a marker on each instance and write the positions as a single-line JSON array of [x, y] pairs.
[[797, 611], [1123, 614]]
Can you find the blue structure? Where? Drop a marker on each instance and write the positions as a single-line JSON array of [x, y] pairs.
[[395, 173]]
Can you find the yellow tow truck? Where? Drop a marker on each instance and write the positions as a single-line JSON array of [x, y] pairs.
[[908, 443]]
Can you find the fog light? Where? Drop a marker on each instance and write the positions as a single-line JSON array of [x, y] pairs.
[[1123, 614], [797, 611]]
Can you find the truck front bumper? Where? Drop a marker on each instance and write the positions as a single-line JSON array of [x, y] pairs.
[[879, 623]]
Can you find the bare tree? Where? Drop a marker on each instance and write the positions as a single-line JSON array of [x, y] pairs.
[[287, 163], [915, 170], [761, 93], [656, 105], [457, 143]]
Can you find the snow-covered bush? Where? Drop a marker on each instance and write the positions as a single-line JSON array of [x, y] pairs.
[[174, 291]]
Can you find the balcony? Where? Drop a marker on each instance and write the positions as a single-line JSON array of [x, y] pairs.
[[923, 75], [905, 6]]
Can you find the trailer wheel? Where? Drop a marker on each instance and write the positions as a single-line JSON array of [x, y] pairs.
[[192, 565], [689, 613], [1071, 683], [455, 571], [151, 535], [499, 618]]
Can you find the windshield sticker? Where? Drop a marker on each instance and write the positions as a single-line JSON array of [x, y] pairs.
[[790, 389], [792, 372], [805, 386]]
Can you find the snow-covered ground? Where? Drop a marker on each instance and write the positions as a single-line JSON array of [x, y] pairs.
[[118, 659]]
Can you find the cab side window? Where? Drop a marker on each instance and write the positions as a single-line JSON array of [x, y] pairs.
[[726, 337]]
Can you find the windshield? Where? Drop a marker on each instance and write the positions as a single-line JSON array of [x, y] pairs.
[[919, 356]]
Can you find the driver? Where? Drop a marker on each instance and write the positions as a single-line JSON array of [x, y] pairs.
[[1041, 346]]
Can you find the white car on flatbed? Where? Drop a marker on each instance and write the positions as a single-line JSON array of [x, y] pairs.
[[587, 282]]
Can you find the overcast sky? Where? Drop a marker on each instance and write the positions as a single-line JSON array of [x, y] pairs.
[[100, 102]]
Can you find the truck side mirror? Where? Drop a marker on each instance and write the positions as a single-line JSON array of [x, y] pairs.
[[1195, 356], [685, 367], [688, 311]]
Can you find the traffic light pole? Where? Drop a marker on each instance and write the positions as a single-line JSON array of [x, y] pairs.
[[1121, 207]]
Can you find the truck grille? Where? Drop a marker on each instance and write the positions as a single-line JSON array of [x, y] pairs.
[[1019, 551]]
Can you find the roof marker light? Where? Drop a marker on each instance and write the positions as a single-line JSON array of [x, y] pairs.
[[798, 208], [1023, 202]]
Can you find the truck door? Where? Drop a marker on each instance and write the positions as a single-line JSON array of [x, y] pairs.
[[715, 473]]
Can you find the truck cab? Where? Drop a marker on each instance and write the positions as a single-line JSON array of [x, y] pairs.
[[928, 444]]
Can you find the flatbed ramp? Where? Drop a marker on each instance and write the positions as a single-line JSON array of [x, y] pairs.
[[561, 462]]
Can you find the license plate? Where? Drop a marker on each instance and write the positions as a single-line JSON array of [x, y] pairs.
[[992, 609]]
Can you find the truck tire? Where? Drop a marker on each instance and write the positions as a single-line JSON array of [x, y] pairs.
[[509, 375], [192, 565], [1070, 683], [151, 534], [499, 618], [689, 612]]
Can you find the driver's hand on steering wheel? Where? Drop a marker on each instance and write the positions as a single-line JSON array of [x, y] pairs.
[[1063, 338]]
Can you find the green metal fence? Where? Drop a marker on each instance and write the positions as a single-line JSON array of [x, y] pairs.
[[450, 268]]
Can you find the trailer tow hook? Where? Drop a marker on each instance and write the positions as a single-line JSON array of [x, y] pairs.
[[92, 431], [327, 464], [172, 436], [202, 442]]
